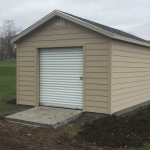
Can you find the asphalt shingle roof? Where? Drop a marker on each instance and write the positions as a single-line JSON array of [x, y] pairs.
[[109, 29]]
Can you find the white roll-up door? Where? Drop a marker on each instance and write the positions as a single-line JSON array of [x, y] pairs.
[[61, 71]]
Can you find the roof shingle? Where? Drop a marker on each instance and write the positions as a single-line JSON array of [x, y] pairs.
[[109, 29]]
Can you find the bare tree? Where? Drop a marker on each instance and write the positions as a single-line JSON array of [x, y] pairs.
[[9, 30]]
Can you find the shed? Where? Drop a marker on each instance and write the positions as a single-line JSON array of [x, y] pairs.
[[70, 62]]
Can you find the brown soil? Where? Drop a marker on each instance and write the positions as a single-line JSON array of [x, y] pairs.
[[76, 143], [19, 137], [125, 131], [130, 130]]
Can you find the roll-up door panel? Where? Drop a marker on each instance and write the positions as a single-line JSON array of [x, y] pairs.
[[60, 72]]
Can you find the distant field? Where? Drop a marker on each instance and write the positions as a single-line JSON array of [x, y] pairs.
[[7, 86]]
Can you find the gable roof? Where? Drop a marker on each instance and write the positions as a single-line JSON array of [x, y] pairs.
[[112, 30], [108, 31]]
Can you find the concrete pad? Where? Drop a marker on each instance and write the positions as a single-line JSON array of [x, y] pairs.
[[49, 117]]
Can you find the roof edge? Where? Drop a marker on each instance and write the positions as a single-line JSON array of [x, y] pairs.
[[80, 22], [127, 39], [34, 26], [60, 14], [85, 24]]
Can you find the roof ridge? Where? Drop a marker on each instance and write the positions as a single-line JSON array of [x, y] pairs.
[[107, 28], [103, 29]]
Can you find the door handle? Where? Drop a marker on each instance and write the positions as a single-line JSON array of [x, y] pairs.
[[81, 77]]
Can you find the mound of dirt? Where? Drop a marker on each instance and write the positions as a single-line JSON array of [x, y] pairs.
[[130, 130], [12, 102]]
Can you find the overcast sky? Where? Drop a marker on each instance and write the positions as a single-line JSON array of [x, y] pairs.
[[132, 16]]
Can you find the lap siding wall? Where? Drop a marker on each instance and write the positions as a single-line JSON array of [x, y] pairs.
[[96, 62], [25, 75], [130, 75]]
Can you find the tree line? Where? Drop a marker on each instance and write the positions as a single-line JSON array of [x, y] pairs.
[[7, 31]]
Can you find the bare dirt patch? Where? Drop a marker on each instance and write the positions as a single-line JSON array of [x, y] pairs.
[[131, 130], [16, 137], [19, 137]]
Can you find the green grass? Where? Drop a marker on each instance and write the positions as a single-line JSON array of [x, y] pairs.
[[7, 86]]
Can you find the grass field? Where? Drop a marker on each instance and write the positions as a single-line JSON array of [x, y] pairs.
[[7, 86], [8, 92]]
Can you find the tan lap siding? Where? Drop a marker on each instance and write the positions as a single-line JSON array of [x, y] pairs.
[[96, 59], [96, 95], [26, 75], [131, 75]]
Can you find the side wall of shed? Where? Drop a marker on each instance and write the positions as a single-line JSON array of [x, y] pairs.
[[96, 97], [130, 75]]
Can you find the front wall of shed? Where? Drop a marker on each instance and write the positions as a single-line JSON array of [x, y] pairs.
[[95, 63], [130, 75]]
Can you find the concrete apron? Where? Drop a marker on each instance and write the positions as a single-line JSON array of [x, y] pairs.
[[49, 117]]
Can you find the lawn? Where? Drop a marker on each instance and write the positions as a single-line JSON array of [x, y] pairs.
[[7, 86], [19, 133]]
